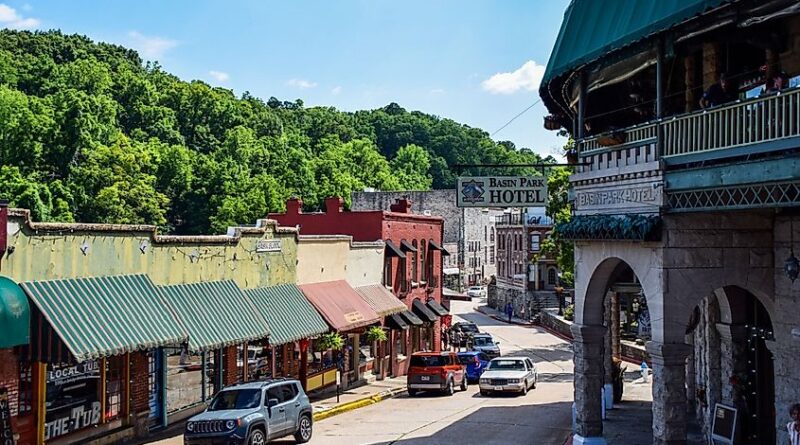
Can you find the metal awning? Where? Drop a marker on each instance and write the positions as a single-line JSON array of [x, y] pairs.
[[15, 315], [215, 313], [289, 315], [405, 245], [395, 321], [380, 299], [102, 316], [423, 311], [411, 319], [433, 245], [393, 250], [437, 308], [340, 305]]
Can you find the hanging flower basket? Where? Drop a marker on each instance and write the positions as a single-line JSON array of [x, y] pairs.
[[551, 122], [330, 340], [376, 333]]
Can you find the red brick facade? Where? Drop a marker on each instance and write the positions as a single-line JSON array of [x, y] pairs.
[[140, 386], [9, 378], [230, 373]]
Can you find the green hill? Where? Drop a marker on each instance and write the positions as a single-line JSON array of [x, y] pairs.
[[88, 132]]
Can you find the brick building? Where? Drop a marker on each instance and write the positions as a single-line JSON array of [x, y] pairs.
[[412, 262]]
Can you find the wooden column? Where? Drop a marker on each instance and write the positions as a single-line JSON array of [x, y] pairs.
[[304, 362], [126, 385], [39, 397], [286, 371], [273, 365], [103, 400]]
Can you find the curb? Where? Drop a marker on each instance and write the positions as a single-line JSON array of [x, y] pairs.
[[356, 404], [504, 320]]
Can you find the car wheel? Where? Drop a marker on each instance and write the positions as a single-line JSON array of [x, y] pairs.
[[257, 437], [450, 390], [464, 384], [534, 384], [484, 393], [304, 430], [524, 388], [412, 392]]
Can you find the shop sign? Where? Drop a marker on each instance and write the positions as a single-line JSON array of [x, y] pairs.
[[73, 399], [268, 245], [6, 432], [501, 191], [644, 324], [353, 317]]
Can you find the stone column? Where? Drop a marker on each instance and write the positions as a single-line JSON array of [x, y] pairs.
[[588, 356], [669, 394], [616, 345], [608, 359]]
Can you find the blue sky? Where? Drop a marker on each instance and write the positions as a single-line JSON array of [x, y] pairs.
[[477, 62]]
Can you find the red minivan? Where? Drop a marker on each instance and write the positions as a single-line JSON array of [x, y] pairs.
[[439, 371]]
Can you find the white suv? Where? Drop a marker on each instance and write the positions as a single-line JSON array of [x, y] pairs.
[[475, 292]]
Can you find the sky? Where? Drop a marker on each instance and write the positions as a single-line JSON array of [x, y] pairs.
[[477, 62]]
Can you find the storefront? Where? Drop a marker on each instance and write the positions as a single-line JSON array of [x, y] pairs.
[[75, 375], [386, 305], [346, 312], [422, 337], [220, 320], [293, 322]]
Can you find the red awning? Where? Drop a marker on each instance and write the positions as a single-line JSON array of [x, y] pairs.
[[340, 305]]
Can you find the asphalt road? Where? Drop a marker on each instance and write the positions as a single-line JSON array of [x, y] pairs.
[[542, 417]]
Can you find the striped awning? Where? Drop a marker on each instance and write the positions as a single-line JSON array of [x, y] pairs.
[[103, 316], [380, 299], [215, 314], [289, 315]]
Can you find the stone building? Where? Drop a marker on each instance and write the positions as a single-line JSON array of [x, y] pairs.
[[694, 212], [469, 233]]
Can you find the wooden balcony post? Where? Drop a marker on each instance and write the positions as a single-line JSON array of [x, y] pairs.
[[581, 104]]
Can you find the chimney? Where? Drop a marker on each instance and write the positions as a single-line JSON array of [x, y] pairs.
[[294, 206], [3, 226], [401, 205], [334, 204]]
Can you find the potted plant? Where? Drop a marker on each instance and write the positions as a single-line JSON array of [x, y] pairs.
[[376, 333], [330, 340]]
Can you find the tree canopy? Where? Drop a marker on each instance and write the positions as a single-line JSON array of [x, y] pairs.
[[89, 132]]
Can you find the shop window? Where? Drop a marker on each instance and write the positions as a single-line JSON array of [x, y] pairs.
[[114, 367], [210, 361], [400, 344], [365, 349], [415, 339], [259, 364], [73, 398], [25, 397], [185, 379]]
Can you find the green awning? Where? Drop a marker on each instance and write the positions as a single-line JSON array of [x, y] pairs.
[[215, 313], [15, 316], [592, 28], [289, 314], [104, 316]]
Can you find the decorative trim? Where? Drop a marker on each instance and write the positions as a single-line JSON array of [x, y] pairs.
[[611, 227], [736, 197]]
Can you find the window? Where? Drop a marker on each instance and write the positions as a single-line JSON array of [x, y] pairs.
[[25, 389], [535, 238], [423, 259], [491, 255], [551, 277], [485, 233], [491, 236], [289, 391], [236, 399], [402, 273], [414, 276], [114, 366], [387, 271]]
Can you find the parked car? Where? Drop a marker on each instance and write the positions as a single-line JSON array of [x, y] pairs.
[[466, 331], [485, 343], [440, 371], [252, 414], [475, 362], [476, 292], [509, 374]]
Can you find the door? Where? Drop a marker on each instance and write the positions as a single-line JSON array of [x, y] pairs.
[[292, 402], [459, 370], [277, 413], [155, 386]]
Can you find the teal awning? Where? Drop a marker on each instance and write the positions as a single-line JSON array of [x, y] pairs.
[[593, 28], [215, 314], [15, 317], [104, 316], [289, 314]]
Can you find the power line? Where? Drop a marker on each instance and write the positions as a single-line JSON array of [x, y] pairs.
[[515, 117]]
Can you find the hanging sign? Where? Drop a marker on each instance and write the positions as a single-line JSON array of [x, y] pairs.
[[723, 429], [268, 245], [6, 432], [501, 191], [72, 401]]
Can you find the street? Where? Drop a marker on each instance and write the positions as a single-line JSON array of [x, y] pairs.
[[541, 417]]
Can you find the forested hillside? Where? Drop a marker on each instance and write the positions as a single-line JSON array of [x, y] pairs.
[[88, 132]]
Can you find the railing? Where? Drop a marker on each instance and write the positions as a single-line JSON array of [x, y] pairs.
[[743, 123], [753, 121]]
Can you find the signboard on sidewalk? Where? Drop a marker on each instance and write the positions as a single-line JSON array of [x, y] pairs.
[[501, 191], [6, 431]]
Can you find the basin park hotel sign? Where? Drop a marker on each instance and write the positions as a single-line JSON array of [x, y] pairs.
[[501, 191]]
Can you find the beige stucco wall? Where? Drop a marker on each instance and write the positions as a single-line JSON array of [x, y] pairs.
[[52, 251], [335, 257]]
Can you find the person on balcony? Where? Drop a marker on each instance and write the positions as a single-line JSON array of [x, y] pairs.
[[719, 93], [777, 83]]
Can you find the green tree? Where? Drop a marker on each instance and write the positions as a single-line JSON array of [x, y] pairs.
[[411, 166]]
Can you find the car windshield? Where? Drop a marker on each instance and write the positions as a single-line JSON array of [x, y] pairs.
[[469, 328], [236, 399], [428, 360], [483, 341], [507, 365]]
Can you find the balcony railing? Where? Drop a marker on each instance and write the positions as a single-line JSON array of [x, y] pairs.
[[743, 123], [753, 121]]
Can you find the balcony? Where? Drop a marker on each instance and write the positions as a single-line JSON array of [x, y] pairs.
[[517, 219], [738, 155]]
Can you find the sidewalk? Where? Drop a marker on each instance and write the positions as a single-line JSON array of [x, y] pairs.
[[325, 405], [499, 316]]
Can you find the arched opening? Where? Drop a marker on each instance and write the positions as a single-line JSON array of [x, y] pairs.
[[732, 364]]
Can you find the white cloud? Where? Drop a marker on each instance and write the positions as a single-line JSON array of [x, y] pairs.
[[337, 90], [527, 77], [10, 19], [301, 83], [220, 76], [437, 91], [151, 47]]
